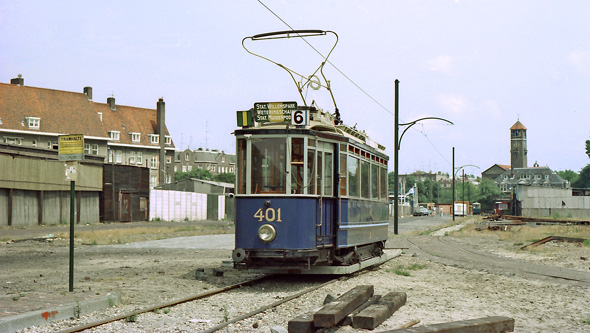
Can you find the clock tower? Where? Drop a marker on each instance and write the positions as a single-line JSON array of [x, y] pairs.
[[518, 150]]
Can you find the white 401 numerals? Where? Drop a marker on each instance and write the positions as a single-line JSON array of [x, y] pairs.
[[268, 215]]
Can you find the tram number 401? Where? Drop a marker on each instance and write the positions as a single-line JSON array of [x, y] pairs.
[[269, 215]]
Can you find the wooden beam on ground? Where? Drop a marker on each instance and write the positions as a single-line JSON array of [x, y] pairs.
[[333, 312], [375, 314], [480, 325], [301, 324], [347, 321]]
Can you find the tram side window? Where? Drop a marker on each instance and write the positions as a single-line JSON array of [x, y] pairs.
[[268, 165], [328, 171], [353, 176], [241, 179], [342, 174], [311, 171], [297, 166], [374, 181], [365, 182], [383, 184]]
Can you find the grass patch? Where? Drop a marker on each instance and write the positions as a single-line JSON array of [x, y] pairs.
[[132, 318], [404, 270], [143, 233], [528, 234]]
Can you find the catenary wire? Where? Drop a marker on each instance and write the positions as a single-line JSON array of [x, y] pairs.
[[350, 80]]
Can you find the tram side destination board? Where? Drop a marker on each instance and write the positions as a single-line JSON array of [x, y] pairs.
[[274, 112]]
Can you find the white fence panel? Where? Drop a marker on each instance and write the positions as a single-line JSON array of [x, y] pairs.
[[177, 206]]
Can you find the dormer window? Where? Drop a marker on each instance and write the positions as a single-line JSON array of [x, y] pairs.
[[135, 137], [154, 139], [168, 140], [115, 135], [33, 122]]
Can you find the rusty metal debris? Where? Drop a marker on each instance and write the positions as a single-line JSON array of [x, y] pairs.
[[554, 238]]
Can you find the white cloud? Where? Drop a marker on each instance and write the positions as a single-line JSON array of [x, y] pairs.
[[580, 60], [443, 63], [454, 103]]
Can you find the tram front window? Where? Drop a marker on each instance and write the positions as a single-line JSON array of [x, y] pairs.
[[268, 165]]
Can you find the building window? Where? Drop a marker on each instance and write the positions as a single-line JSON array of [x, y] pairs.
[[186, 157], [110, 156], [86, 148], [94, 149], [131, 157], [13, 140], [190, 167], [139, 157], [52, 145], [135, 137], [114, 135], [33, 122], [154, 139], [154, 162], [168, 159], [34, 143], [184, 168], [168, 140], [118, 156]]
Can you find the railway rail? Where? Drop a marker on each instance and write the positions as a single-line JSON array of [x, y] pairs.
[[444, 251], [211, 293]]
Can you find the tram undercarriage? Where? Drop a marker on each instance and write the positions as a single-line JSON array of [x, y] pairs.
[[308, 261]]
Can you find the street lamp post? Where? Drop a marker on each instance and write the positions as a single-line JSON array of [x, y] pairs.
[[397, 141], [454, 173]]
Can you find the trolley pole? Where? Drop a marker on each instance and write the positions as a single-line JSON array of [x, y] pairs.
[[396, 157], [396, 146], [453, 203], [72, 221]]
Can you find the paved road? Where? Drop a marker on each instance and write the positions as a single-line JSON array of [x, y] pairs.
[[418, 223]]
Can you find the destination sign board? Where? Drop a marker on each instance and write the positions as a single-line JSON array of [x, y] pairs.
[[71, 147], [274, 112]]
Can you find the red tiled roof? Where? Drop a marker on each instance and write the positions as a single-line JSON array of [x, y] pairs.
[[64, 112], [518, 126]]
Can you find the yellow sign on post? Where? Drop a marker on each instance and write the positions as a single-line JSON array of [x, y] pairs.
[[71, 147]]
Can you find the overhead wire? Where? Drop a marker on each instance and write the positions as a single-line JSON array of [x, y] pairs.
[[349, 79]]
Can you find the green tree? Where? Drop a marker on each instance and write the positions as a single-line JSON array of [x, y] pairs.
[[588, 148], [569, 175], [194, 173], [488, 193], [225, 177], [583, 180]]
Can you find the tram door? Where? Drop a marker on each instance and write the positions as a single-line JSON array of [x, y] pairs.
[[324, 182]]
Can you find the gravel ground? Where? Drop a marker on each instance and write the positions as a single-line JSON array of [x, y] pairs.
[[436, 293]]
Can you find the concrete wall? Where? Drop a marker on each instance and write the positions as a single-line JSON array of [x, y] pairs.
[[402, 210], [27, 173], [53, 206], [35, 190], [546, 201]]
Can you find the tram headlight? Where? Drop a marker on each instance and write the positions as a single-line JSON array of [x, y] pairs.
[[267, 233]]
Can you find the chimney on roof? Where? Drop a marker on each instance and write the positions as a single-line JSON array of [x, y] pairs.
[[111, 103], [161, 130], [19, 81], [88, 92]]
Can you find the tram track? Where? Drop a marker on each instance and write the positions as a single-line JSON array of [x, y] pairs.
[[164, 305], [443, 250], [221, 290]]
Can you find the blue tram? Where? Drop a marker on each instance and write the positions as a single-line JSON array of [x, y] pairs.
[[311, 193], [308, 195]]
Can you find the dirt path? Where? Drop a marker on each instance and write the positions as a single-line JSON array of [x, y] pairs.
[[453, 252]]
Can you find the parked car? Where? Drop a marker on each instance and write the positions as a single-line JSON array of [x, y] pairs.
[[421, 211]]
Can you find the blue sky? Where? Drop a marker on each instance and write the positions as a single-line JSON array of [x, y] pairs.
[[481, 64]]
